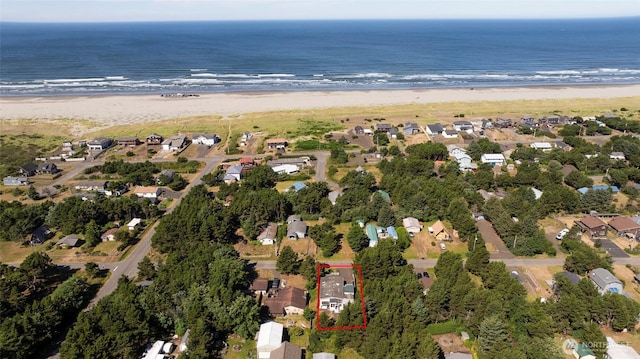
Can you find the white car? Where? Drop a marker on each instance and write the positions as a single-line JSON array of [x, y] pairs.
[[562, 233]]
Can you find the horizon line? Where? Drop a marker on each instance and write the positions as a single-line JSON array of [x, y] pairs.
[[327, 19]]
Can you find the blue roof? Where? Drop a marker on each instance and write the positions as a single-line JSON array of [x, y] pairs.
[[392, 232], [298, 186], [613, 189]]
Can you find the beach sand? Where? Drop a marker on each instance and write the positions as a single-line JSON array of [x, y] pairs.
[[107, 111]]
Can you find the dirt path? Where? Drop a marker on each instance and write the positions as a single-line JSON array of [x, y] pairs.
[[490, 236]]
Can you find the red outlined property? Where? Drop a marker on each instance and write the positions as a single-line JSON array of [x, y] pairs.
[[334, 291]]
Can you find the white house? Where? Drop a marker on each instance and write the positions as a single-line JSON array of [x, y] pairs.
[[463, 126], [268, 235], [234, 173], [618, 156], [434, 129], [134, 223], [269, 339], [605, 281], [174, 143], [147, 191], [411, 224], [208, 139], [493, 159], [286, 169], [335, 293], [450, 134], [542, 146], [99, 144], [619, 351]]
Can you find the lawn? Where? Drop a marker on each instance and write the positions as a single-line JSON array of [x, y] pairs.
[[13, 252], [239, 348]]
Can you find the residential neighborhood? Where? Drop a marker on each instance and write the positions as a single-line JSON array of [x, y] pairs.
[[441, 191]]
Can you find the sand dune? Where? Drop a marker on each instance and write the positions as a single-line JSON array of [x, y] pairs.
[[126, 109]]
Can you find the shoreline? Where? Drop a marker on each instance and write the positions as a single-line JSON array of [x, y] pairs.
[[113, 110]]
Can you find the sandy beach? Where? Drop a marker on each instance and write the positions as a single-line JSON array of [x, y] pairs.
[[109, 111]]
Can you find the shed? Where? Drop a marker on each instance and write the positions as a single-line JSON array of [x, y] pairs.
[[287, 351], [297, 186], [391, 232], [269, 339], [69, 241], [324, 355], [134, 223], [411, 224], [372, 233]]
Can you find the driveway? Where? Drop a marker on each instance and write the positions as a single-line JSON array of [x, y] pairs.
[[490, 236], [613, 249]]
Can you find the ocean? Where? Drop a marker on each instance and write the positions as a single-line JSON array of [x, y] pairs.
[[200, 57]]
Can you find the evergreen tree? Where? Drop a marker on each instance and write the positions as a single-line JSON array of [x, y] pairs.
[[288, 262], [493, 330], [356, 238]]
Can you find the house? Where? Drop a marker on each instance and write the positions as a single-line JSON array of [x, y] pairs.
[[287, 351], [493, 159], [260, 286], [499, 123], [99, 144], [582, 351], [391, 232], [410, 128], [563, 146], [573, 278], [289, 301], [128, 141], [247, 162], [40, 235], [439, 231], [69, 241], [605, 281], [367, 132], [154, 139], [613, 189], [457, 355], [297, 187], [47, 168], [385, 195], [268, 235], [15, 181], [618, 156], [234, 173], [372, 233], [542, 146], [155, 351], [593, 226], [383, 127], [286, 169], [434, 129], [28, 169], [166, 175], [175, 143], [463, 126], [324, 355], [277, 143], [109, 235], [296, 229], [207, 139], [450, 134], [412, 225], [147, 191], [358, 130], [334, 293], [134, 223], [625, 226], [333, 196], [269, 339], [619, 351], [298, 161], [92, 186]]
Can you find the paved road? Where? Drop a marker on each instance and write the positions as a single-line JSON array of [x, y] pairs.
[[613, 249]]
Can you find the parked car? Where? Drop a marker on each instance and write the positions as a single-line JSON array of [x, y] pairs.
[[425, 274], [443, 247], [419, 275], [562, 233]]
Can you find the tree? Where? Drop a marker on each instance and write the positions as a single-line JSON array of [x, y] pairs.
[[493, 330], [309, 270], [92, 234], [598, 200], [32, 193], [92, 269], [386, 217], [356, 238], [478, 259], [146, 269], [288, 262], [577, 179], [338, 155]]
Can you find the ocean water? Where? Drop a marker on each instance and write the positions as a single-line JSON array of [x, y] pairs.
[[198, 57]]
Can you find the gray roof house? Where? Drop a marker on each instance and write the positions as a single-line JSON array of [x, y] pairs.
[[435, 129], [40, 235], [605, 281], [15, 181], [28, 169], [410, 128], [69, 241], [296, 230], [47, 168], [99, 144], [334, 292]]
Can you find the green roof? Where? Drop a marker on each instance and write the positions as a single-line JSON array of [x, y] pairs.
[[385, 195], [583, 350]]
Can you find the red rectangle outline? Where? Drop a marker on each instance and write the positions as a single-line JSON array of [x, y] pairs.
[[360, 286]]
